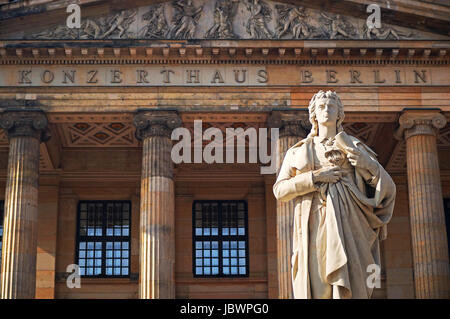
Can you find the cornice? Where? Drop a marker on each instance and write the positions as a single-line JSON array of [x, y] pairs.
[[321, 52]]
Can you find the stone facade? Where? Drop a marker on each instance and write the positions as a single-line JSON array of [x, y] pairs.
[[110, 107]]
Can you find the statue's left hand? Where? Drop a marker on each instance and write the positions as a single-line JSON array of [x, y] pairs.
[[360, 159]]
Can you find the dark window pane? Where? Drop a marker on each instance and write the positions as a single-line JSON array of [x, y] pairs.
[[103, 238], [447, 220], [220, 238], [2, 212]]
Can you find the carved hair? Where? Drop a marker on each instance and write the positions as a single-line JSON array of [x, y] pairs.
[[312, 111]]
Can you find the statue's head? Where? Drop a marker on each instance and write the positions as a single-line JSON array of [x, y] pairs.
[[325, 108]]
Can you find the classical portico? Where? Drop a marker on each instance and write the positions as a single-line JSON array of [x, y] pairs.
[[87, 117], [157, 195]]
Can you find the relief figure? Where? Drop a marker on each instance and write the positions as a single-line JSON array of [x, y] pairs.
[[260, 15], [292, 20], [224, 11], [185, 19]]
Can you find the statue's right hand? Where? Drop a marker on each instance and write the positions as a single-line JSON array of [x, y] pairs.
[[327, 174]]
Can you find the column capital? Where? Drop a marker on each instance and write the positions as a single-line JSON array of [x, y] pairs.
[[25, 123], [418, 122], [290, 123], [156, 123]]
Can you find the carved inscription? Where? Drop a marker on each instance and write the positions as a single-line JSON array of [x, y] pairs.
[[219, 76]]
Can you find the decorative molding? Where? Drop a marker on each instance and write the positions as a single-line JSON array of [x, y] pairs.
[[365, 132], [203, 55], [18, 123], [420, 123], [156, 123], [91, 134], [59, 118], [225, 117]]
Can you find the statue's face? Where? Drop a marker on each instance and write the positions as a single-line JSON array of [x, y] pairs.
[[326, 111]]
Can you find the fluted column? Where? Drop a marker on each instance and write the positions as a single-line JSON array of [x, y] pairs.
[[429, 239], [157, 245], [292, 129], [25, 130]]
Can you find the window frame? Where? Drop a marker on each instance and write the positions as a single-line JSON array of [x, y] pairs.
[[220, 239], [2, 220], [447, 220], [103, 239]]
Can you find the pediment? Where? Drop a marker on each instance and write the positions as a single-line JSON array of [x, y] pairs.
[[221, 19]]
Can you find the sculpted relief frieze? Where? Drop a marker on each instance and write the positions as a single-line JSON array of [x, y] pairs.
[[225, 19]]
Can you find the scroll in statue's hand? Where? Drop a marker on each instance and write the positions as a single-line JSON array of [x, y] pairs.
[[327, 174], [360, 159]]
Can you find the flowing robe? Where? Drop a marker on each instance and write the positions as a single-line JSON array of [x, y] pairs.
[[354, 223]]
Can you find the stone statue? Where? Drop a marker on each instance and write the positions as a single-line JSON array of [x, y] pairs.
[[156, 26], [343, 200], [260, 14], [292, 20], [185, 19], [224, 11]]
